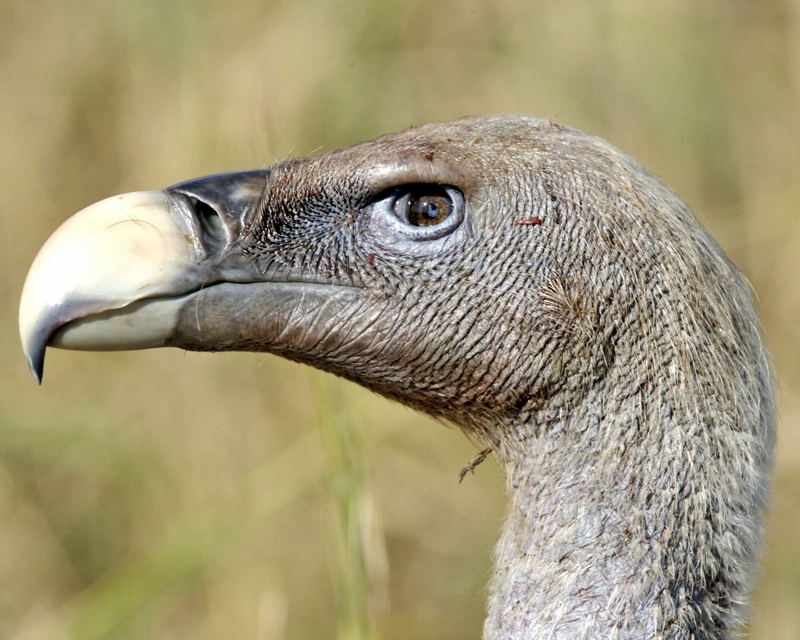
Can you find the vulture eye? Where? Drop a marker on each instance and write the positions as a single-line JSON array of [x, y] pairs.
[[424, 206], [420, 211], [427, 211]]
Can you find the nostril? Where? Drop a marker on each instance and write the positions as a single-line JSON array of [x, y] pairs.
[[209, 220]]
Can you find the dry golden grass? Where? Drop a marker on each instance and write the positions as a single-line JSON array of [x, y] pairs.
[[171, 495]]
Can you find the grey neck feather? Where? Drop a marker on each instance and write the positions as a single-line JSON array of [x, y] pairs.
[[577, 558], [634, 514]]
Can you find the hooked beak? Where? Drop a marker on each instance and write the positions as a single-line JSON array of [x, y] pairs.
[[116, 274]]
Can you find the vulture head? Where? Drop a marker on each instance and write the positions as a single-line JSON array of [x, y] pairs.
[[523, 280]]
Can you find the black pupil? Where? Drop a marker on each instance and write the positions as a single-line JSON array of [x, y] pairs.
[[429, 209]]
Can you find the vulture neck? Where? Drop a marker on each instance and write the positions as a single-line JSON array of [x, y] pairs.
[[600, 538]]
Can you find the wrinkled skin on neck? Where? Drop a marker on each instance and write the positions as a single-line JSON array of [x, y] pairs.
[[590, 331]]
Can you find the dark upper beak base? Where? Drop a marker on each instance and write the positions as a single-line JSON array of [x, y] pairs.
[[138, 252]]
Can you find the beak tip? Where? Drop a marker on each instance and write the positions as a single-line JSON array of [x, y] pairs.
[[34, 353], [37, 371]]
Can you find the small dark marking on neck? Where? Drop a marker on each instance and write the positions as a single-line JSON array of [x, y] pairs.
[[527, 222]]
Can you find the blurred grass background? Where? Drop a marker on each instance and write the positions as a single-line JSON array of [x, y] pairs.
[[175, 495]]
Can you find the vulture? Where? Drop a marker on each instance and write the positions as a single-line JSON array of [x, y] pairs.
[[513, 276]]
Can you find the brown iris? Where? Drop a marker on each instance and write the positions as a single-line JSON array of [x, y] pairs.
[[424, 206]]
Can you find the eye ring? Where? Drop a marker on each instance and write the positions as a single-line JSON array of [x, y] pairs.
[[424, 211]]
